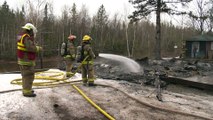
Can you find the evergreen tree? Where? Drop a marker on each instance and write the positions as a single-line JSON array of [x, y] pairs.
[[146, 7], [7, 27], [74, 18], [101, 21], [47, 36]]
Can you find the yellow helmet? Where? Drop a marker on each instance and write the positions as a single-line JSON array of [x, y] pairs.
[[86, 38]]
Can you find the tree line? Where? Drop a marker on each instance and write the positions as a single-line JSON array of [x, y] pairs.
[[110, 35]]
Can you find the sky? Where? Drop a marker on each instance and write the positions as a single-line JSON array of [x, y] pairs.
[[121, 7], [112, 7]]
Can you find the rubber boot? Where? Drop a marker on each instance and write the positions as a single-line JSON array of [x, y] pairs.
[[91, 84], [28, 93], [84, 83], [32, 91], [69, 74]]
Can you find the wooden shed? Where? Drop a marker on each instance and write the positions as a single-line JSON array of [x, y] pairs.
[[199, 47]]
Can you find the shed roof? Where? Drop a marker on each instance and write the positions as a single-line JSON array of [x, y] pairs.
[[201, 38]]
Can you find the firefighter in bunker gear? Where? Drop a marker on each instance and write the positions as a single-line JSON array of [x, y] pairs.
[[87, 65], [26, 54], [70, 55]]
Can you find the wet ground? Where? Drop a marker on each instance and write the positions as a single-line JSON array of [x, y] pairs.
[[120, 99], [126, 96], [190, 70]]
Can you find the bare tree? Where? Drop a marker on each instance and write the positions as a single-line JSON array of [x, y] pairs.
[[74, 19], [34, 11], [84, 21], [200, 15], [126, 22], [146, 7], [210, 19], [65, 22]]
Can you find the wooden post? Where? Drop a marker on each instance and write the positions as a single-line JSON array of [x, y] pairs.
[[159, 95]]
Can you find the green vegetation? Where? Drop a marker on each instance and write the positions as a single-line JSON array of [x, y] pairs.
[[110, 35]]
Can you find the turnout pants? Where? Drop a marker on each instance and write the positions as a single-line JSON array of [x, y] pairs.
[[69, 65], [87, 73], [27, 73]]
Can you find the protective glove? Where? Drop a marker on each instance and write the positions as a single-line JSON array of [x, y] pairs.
[[39, 48]]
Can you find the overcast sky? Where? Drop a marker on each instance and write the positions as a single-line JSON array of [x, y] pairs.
[[112, 6], [122, 7]]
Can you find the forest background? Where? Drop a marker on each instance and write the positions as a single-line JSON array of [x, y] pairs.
[[115, 34]]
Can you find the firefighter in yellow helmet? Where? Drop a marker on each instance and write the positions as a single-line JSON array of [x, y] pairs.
[[26, 53], [87, 65], [70, 55]]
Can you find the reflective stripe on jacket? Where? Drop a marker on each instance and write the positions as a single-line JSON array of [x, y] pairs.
[[20, 43], [87, 62], [26, 50]]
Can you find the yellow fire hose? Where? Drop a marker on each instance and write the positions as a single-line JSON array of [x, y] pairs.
[[103, 112], [53, 80], [95, 105]]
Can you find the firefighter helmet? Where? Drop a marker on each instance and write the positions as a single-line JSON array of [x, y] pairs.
[[71, 37], [86, 38], [30, 26]]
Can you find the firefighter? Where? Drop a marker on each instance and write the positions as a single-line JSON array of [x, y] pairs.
[[26, 54], [70, 55], [87, 65]]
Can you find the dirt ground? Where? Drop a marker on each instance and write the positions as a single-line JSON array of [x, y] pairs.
[[124, 96], [65, 103]]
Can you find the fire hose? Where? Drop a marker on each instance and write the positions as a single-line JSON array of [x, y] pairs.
[[54, 81]]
